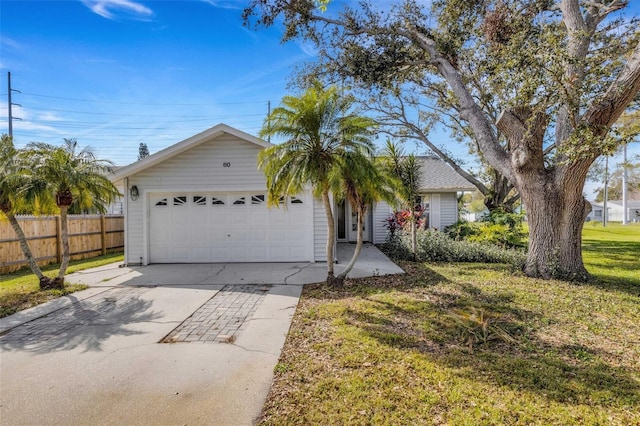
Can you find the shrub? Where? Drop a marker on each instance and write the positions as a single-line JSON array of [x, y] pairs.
[[401, 220], [499, 228], [437, 246], [461, 230]]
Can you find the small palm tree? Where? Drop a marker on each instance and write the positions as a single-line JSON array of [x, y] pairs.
[[408, 174], [65, 175], [14, 192], [362, 182], [319, 130]]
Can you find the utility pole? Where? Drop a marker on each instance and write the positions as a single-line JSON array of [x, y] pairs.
[[606, 191], [269, 121], [624, 185], [10, 104]]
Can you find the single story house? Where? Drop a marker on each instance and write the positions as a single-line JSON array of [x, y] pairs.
[[615, 211], [203, 200]]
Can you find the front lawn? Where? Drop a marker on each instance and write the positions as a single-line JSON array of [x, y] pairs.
[[468, 344], [612, 253], [20, 290]]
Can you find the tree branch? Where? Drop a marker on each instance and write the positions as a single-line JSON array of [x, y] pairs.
[[469, 109], [605, 111]]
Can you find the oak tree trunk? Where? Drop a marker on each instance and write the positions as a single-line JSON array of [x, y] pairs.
[[556, 216]]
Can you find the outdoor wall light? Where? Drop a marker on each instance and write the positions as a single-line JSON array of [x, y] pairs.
[[134, 192]]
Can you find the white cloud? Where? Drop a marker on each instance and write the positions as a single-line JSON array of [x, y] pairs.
[[9, 43], [22, 125], [226, 4], [50, 116], [113, 9], [307, 48]]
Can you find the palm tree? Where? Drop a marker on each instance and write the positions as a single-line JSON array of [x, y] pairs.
[[319, 130], [67, 176], [408, 173], [14, 191], [362, 182]]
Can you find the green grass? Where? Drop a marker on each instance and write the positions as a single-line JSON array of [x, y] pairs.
[[611, 253], [467, 344], [20, 290]]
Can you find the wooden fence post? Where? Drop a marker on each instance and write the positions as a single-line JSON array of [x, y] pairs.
[[103, 234], [58, 239]]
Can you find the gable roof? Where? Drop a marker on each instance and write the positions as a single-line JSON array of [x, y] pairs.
[[438, 175], [183, 146]]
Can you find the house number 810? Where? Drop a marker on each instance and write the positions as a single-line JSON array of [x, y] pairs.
[[226, 164]]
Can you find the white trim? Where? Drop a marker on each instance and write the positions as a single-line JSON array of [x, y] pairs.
[[145, 227], [126, 216]]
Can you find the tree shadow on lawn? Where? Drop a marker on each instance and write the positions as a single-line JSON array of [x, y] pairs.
[[611, 258], [85, 323], [486, 338]]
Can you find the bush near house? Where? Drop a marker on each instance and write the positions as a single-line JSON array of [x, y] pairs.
[[435, 246], [499, 228]]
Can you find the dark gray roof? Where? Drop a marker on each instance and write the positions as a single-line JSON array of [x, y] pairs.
[[438, 175]]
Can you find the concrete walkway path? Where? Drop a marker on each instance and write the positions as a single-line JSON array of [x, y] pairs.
[[96, 357]]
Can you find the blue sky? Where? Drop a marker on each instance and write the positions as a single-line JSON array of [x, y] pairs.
[[115, 73]]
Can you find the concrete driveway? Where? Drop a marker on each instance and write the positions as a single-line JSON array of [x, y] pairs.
[[161, 345]]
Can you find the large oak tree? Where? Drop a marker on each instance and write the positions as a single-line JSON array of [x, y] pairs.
[[559, 72]]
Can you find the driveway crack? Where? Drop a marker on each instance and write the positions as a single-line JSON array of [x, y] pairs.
[[296, 273], [253, 350], [211, 277]]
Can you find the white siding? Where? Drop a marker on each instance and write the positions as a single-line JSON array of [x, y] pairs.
[[223, 164], [319, 231], [381, 212], [435, 216], [135, 228], [448, 209], [203, 168]]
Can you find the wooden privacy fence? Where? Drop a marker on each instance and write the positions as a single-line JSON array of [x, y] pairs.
[[89, 235]]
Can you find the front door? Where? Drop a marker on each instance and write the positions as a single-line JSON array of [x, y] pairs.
[[347, 223], [353, 225]]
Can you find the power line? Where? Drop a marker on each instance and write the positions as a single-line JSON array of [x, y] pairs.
[[120, 114], [142, 103]]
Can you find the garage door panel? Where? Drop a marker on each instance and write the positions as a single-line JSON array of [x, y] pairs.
[[209, 227]]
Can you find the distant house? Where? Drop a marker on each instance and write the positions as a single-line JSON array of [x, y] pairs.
[[615, 211], [203, 200]]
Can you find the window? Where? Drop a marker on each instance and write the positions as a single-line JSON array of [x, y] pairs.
[[199, 200], [257, 199], [162, 202], [296, 200], [180, 201], [239, 201], [216, 201], [281, 200]]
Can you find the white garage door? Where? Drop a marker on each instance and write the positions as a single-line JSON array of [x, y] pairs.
[[237, 227]]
